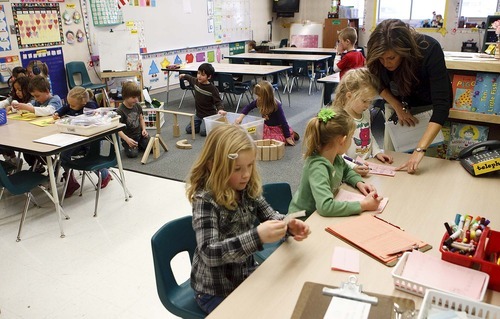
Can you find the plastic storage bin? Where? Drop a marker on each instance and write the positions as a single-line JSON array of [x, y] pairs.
[[438, 300], [87, 130], [253, 124], [411, 286], [489, 244]]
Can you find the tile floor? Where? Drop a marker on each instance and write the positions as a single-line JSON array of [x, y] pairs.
[[103, 268]]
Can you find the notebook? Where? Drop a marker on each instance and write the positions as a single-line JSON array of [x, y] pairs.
[[376, 237]]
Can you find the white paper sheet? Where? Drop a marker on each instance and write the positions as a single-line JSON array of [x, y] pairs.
[[61, 139], [342, 308]]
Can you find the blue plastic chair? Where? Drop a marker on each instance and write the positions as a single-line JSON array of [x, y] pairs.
[[94, 161], [279, 196], [77, 69], [175, 237], [23, 182]]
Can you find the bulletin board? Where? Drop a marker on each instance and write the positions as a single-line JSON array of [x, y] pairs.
[[37, 24], [54, 59], [308, 35]]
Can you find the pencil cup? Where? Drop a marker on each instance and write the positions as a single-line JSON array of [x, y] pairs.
[[3, 116]]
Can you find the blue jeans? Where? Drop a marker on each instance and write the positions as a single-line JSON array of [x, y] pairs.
[[199, 127], [207, 302]]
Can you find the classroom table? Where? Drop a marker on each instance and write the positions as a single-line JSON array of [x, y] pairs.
[[20, 135], [329, 84], [296, 50], [235, 69], [419, 204]]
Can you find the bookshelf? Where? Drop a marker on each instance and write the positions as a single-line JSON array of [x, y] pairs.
[[490, 36], [462, 62]]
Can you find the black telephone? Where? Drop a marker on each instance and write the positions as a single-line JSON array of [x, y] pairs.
[[481, 158]]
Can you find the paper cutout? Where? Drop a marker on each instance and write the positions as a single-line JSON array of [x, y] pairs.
[[345, 259], [378, 169], [347, 196]]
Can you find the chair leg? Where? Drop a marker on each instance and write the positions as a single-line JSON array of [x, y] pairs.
[[23, 216], [97, 192], [182, 98]]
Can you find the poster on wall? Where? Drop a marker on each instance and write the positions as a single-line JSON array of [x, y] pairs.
[[37, 24], [5, 44]]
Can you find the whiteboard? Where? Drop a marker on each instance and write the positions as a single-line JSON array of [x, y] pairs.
[[306, 35], [114, 47], [173, 25]]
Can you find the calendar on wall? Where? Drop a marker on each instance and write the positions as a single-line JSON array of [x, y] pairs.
[[105, 12]]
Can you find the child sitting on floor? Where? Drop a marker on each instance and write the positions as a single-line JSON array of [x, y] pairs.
[[275, 124]]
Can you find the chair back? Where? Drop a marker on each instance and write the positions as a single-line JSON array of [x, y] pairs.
[[283, 43], [225, 82], [171, 239], [4, 179], [184, 84], [77, 70], [300, 68], [278, 195]]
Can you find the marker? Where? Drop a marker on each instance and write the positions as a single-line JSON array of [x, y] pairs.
[[448, 229], [452, 238], [354, 161]]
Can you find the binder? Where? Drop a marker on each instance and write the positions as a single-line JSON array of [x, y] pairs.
[[378, 238]]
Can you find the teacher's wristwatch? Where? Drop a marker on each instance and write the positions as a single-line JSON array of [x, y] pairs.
[[419, 149]]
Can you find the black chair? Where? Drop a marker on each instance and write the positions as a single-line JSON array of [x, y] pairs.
[[300, 69], [186, 86], [175, 237], [283, 43], [228, 86]]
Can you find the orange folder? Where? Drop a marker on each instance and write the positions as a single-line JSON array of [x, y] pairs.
[[378, 238]]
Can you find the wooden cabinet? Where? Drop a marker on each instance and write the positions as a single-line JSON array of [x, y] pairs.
[[490, 37], [457, 63], [332, 28]]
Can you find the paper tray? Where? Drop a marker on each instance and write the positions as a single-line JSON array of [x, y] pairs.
[[419, 289], [443, 301], [87, 130]]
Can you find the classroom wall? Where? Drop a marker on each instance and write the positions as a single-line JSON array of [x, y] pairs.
[[316, 11], [82, 51]]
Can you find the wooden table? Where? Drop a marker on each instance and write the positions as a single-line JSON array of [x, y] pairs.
[[19, 136], [420, 204], [296, 50]]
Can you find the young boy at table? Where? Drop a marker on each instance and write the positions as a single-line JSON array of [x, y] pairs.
[[134, 137], [206, 97], [347, 57], [43, 104]]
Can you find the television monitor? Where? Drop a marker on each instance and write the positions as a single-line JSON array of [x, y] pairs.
[[288, 6]]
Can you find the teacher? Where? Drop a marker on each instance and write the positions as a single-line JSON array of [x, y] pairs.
[[413, 79]]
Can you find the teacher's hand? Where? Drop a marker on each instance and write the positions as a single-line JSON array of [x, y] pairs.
[[407, 119], [412, 165]]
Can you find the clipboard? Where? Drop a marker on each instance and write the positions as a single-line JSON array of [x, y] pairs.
[[378, 238], [312, 303]]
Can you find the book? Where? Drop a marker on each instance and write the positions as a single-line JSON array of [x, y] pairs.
[[463, 135], [485, 93], [405, 138], [463, 87], [376, 237]]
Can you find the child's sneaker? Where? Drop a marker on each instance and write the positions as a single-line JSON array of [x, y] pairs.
[[296, 136], [105, 181], [73, 185]]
